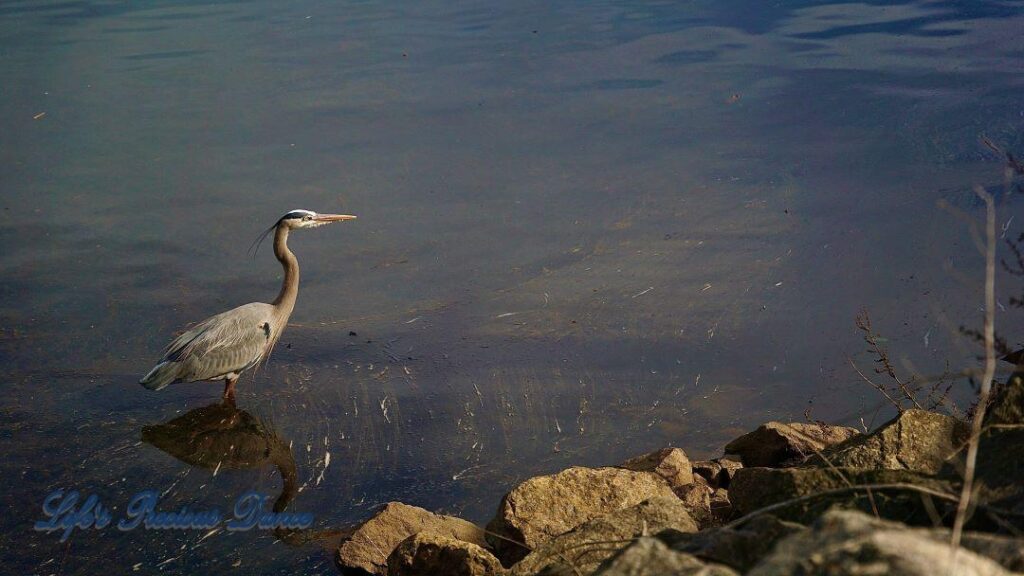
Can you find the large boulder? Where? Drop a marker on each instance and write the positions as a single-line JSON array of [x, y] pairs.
[[915, 440], [669, 463], [580, 550], [545, 506], [756, 488], [739, 548], [776, 443], [429, 554], [651, 557], [367, 548], [847, 543]]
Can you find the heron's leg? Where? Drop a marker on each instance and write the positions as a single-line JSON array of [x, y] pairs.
[[229, 387]]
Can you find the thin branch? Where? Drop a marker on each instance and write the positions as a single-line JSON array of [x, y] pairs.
[[990, 367]]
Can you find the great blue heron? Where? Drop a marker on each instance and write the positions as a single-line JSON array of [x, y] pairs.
[[223, 346]]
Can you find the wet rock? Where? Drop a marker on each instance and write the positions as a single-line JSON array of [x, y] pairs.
[[651, 557], [669, 463], [847, 543], [427, 554], [740, 548], [545, 506], [915, 440], [368, 546], [775, 443], [586, 546], [755, 488]]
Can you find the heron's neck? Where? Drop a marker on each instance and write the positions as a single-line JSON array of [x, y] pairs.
[[285, 301]]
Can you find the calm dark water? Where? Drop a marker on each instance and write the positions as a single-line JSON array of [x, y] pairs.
[[586, 229]]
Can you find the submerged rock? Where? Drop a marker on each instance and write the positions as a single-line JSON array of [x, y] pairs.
[[915, 440], [775, 443], [369, 545], [429, 554], [651, 557], [580, 550], [847, 543], [755, 488], [669, 463], [740, 548], [545, 506]]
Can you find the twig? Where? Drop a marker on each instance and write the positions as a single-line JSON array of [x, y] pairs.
[[990, 367]]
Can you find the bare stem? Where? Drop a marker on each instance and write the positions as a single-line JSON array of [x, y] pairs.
[[990, 366]]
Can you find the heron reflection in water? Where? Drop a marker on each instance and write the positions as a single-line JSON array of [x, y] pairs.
[[221, 436], [223, 346]]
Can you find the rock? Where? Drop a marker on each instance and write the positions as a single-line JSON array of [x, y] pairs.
[[427, 554], [545, 506], [708, 470], [847, 543], [915, 440], [721, 506], [651, 557], [775, 443], [1000, 466], [368, 546], [1007, 552], [697, 499], [669, 463], [592, 542], [729, 468], [740, 548], [755, 488], [717, 472]]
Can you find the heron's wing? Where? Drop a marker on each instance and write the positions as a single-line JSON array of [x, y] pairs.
[[244, 328]]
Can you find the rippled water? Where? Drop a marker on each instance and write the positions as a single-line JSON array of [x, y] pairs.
[[586, 229]]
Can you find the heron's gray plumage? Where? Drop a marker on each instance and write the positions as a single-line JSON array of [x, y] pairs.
[[227, 343], [223, 346]]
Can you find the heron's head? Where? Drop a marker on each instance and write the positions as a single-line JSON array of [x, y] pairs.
[[309, 219]]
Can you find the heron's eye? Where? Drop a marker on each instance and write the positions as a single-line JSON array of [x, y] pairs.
[[307, 217]]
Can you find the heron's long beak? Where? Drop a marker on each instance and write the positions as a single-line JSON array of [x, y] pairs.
[[325, 218]]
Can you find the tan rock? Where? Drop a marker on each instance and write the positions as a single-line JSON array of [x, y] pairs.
[[651, 557], [775, 443], [740, 548], [545, 506], [915, 440], [590, 543], [717, 472], [669, 463], [696, 497], [429, 554], [369, 545], [755, 488], [729, 468], [848, 543]]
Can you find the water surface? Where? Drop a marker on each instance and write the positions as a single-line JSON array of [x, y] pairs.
[[586, 230]]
